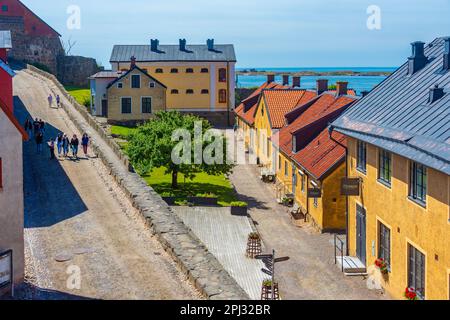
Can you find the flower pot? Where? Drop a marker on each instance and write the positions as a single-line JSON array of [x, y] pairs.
[[254, 247], [239, 211]]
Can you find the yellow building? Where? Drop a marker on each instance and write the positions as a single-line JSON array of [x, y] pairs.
[[199, 78], [398, 148], [134, 97], [309, 159]]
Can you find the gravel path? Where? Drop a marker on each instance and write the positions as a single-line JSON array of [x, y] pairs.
[[75, 213]]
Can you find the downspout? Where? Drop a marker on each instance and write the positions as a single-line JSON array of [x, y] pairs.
[[330, 132], [228, 93]]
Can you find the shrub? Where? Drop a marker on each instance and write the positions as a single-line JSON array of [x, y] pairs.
[[254, 236]]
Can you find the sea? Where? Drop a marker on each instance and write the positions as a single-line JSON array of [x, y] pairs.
[[358, 83]]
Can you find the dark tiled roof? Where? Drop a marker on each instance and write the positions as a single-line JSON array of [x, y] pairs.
[[221, 52], [397, 116]]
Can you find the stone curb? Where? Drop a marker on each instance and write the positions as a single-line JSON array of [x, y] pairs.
[[193, 258]]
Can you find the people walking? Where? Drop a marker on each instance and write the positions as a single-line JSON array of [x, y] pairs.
[[85, 144], [39, 139], [28, 127], [41, 125], [65, 145], [36, 126], [50, 100], [59, 143], [74, 143], [58, 101], [51, 146]]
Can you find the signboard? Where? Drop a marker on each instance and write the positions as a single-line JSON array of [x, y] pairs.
[[6, 269], [350, 186], [314, 193]]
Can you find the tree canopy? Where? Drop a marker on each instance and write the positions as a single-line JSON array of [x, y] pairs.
[[154, 144]]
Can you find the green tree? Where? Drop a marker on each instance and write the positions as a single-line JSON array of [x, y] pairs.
[[151, 145]]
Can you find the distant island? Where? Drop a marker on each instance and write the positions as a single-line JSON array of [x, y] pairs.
[[254, 72]]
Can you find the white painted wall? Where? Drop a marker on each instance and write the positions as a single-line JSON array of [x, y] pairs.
[[11, 195]]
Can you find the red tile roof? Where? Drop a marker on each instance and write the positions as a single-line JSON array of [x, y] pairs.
[[281, 101], [322, 154], [13, 120], [309, 122], [246, 110]]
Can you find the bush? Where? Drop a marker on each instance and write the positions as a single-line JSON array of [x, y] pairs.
[[206, 195], [254, 236]]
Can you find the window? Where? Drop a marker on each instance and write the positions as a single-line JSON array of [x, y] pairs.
[[1, 174], [189, 70], [361, 162], [5, 8], [159, 70], [384, 243], [135, 81], [204, 70], [120, 85], [126, 105], [418, 182], [205, 91], [286, 170], [222, 96], [189, 91], [279, 162], [174, 91], [416, 271], [152, 84], [174, 70], [146, 104], [222, 75], [385, 167]]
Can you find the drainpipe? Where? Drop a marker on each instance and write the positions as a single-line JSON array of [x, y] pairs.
[[330, 132]]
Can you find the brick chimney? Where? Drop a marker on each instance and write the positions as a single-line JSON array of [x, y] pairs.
[[154, 43], [133, 62], [182, 44], [285, 79], [418, 60], [270, 78], [341, 88], [321, 86], [296, 82], [447, 53]]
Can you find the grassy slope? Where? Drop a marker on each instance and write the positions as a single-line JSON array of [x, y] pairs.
[[82, 95]]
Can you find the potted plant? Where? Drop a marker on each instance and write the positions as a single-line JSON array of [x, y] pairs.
[[288, 202], [239, 208], [410, 294], [382, 265], [266, 293], [254, 245]]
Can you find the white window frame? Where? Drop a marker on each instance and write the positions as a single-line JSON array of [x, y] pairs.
[[151, 104], [121, 106], [119, 83], [152, 83]]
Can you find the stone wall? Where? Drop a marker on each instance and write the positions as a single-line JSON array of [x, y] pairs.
[[42, 50], [75, 70], [193, 258]]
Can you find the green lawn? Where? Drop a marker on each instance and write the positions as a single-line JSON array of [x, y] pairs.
[[82, 95], [202, 184], [121, 131]]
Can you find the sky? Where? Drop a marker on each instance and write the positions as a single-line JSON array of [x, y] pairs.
[[265, 33]]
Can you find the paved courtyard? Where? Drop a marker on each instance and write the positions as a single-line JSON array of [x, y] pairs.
[[225, 236], [310, 273]]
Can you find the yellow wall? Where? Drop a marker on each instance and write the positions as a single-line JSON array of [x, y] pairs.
[[263, 147], [197, 81], [428, 229], [329, 214], [158, 95]]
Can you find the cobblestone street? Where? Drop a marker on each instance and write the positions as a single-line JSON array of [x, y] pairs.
[[77, 218], [310, 273]]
